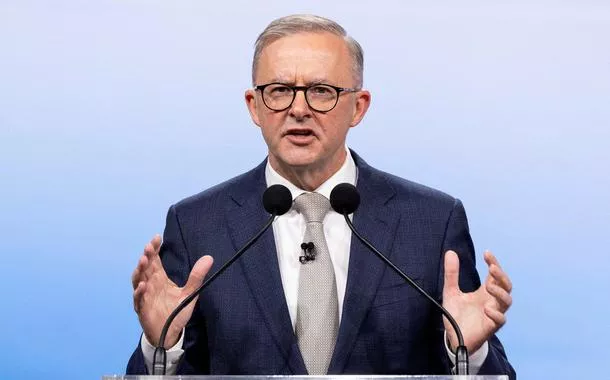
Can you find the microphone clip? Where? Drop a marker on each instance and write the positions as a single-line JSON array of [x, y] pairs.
[[308, 253]]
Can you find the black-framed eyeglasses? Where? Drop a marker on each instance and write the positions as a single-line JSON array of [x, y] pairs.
[[319, 97]]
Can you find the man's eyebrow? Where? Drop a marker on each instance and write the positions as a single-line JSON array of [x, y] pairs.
[[291, 82], [317, 81]]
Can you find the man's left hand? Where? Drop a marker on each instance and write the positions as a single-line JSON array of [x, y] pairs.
[[480, 313]]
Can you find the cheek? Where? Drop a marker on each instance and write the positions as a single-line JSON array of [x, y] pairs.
[[334, 126], [271, 124]]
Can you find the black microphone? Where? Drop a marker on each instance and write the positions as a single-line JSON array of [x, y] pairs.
[[277, 200], [308, 253], [345, 199]]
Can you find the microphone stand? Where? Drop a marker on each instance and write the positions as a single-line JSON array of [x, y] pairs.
[[461, 351], [160, 356]]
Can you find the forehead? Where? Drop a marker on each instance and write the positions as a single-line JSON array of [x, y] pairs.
[[305, 57]]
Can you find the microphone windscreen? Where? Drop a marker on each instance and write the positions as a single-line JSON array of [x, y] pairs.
[[345, 198], [277, 199]]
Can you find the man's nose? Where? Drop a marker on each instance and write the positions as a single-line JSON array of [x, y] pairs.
[[299, 108]]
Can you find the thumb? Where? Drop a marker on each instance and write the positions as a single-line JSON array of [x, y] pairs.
[[198, 273], [452, 271]]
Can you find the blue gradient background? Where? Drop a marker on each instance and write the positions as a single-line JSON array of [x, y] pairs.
[[112, 110]]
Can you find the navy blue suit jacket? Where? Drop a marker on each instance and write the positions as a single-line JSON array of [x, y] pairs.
[[241, 323]]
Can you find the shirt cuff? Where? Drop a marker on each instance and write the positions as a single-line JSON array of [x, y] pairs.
[[475, 360], [173, 355]]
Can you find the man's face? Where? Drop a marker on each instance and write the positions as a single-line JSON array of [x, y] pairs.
[[300, 138]]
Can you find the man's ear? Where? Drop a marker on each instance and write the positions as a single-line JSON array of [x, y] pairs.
[[252, 104], [363, 101]]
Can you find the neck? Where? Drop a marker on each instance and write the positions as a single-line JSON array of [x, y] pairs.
[[307, 178]]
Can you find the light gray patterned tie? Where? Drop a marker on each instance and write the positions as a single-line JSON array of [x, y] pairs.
[[317, 306]]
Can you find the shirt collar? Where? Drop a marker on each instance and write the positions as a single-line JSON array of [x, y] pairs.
[[346, 173]]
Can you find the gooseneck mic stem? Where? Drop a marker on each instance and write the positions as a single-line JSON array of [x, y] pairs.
[[159, 360], [345, 199], [277, 200]]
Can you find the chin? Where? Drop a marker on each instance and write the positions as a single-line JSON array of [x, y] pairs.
[[300, 162], [298, 158]]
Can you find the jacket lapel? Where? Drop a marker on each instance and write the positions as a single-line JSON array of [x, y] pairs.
[[260, 265], [377, 222]]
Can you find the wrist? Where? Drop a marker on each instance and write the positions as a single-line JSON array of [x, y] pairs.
[[171, 338]]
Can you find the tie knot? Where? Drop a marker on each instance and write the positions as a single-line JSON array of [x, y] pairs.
[[313, 206]]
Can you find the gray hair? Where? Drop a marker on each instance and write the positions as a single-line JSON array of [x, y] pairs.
[[304, 23]]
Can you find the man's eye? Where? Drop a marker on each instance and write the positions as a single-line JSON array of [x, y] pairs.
[[320, 90], [280, 90]]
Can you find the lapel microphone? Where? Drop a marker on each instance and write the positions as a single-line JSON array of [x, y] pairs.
[[308, 253], [277, 200], [345, 199]]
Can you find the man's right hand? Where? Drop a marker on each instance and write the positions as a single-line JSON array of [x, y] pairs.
[[155, 296]]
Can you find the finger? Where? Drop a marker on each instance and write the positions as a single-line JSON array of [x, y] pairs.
[[152, 254], [503, 299], [151, 251], [156, 242], [501, 278], [138, 296], [137, 275], [198, 273], [490, 258], [154, 273], [452, 271], [496, 316], [491, 261]]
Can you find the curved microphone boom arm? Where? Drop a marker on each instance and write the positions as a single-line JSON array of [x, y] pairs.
[[277, 200], [345, 199]]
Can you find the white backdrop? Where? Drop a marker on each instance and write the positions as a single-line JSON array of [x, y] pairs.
[[112, 110]]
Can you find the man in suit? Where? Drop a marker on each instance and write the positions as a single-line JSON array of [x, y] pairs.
[[307, 94]]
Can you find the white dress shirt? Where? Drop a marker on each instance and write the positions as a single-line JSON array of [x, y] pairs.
[[289, 230]]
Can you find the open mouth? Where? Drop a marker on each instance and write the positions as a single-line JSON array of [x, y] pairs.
[[299, 132], [300, 137]]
